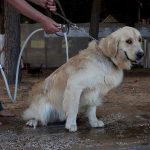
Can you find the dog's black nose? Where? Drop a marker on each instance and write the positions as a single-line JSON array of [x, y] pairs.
[[139, 55]]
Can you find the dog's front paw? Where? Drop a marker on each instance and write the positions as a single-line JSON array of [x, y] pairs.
[[96, 123], [32, 123], [71, 127]]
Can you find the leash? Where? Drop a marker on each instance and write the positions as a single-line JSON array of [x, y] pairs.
[[71, 24], [74, 26]]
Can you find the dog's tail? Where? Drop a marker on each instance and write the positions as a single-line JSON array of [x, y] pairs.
[[43, 112]]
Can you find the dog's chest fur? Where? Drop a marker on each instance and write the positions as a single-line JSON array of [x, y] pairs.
[[102, 78], [103, 74]]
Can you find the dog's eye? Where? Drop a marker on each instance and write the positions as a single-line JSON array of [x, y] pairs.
[[129, 41], [140, 40]]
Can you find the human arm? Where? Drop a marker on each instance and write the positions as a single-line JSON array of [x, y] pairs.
[[26, 9]]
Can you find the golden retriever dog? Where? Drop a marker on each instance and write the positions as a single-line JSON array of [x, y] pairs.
[[84, 80]]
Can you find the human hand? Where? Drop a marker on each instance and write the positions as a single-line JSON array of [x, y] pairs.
[[51, 5], [50, 26]]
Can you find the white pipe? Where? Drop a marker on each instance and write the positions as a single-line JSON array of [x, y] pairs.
[[66, 42], [13, 99]]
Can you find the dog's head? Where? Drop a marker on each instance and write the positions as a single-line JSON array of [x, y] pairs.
[[123, 47]]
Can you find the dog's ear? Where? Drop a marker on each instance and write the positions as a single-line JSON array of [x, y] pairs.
[[109, 46]]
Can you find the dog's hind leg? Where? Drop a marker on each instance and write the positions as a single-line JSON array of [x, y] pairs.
[[70, 105], [91, 114]]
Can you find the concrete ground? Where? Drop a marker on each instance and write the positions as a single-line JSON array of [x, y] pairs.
[[125, 112]]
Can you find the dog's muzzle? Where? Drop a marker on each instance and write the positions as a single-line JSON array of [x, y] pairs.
[[139, 56]]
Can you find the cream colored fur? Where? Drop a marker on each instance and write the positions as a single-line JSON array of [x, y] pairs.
[[83, 81]]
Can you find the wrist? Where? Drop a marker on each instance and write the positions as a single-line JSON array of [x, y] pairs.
[[41, 18]]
